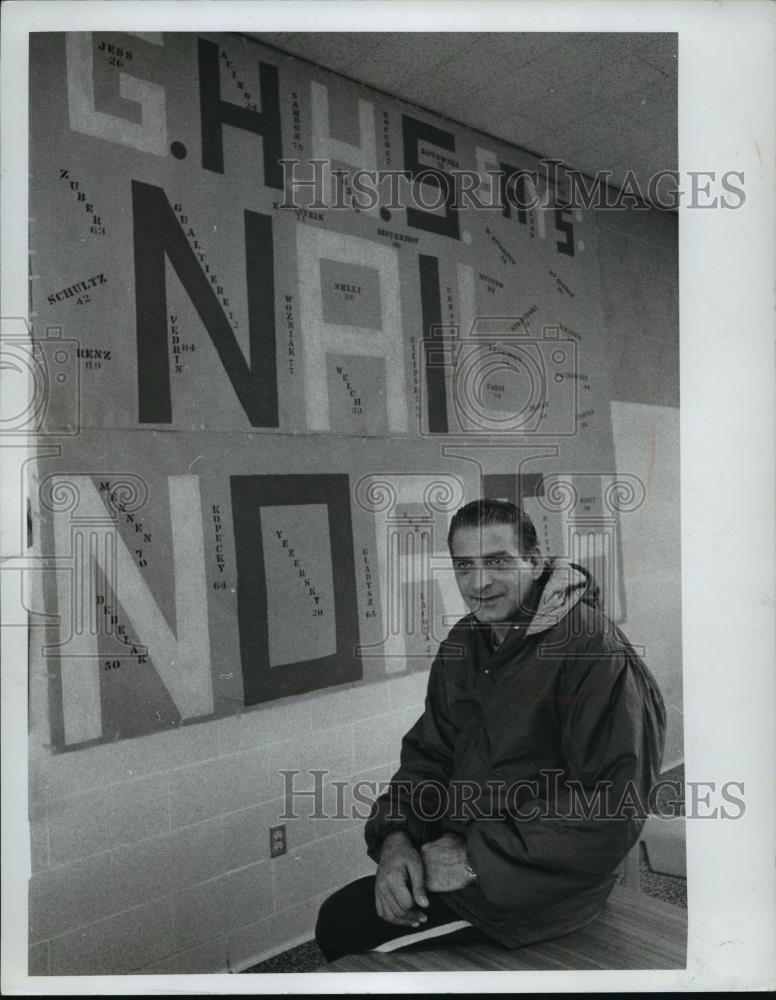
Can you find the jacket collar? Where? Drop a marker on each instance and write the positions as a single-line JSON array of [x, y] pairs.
[[566, 586]]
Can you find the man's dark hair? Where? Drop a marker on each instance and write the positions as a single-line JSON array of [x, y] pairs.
[[485, 512]]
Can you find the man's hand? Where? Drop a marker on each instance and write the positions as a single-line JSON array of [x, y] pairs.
[[399, 889], [445, 863]]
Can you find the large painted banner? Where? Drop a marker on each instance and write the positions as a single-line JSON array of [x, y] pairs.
[[268, 395]]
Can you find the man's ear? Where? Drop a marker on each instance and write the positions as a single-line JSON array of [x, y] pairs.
[[537, 564]]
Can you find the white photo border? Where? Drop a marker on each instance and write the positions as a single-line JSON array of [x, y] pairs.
[[727, 110]]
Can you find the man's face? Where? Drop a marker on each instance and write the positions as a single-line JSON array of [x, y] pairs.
[[494, 579]]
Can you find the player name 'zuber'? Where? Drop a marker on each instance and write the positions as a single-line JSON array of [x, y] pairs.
[[79, 286]]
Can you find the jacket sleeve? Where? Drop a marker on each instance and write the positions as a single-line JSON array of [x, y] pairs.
[[612, 722], [425, 766]]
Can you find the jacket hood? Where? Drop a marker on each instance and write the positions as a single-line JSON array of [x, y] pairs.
[[567, 585]]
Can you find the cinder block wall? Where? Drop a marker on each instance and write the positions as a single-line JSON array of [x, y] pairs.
[[152, 854]]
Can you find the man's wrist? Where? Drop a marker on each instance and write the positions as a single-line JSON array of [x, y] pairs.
[[396, 835], [395, 839]]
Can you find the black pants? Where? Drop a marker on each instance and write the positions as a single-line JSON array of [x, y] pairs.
[[348, 924]]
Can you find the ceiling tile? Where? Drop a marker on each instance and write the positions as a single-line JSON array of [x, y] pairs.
[[581, 57], [597, 100], [332, 49], [661, 54], [500, 53], [415, 67]]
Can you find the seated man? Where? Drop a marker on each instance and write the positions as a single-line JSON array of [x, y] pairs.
[[525, 782]]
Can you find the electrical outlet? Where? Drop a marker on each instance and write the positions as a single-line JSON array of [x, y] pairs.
[[277, 840]]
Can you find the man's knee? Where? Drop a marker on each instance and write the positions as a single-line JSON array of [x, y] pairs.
[[342, 916]]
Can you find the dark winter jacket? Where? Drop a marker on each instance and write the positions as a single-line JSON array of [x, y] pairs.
[[541, 753]]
